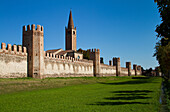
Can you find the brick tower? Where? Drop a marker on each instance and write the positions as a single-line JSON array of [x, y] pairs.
[[70, 36], [95, 56], [33, 40]]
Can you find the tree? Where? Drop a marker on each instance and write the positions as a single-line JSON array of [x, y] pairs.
[[163, 29], [162, 48], [86, 53]]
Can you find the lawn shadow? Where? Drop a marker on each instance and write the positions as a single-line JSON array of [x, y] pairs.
[[140, 77], [126, 82], [116, 103], [132, 94], [127, 98], [135, 91], [126, 95]]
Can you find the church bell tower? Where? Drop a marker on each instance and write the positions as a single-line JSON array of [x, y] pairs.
[[70, 36]]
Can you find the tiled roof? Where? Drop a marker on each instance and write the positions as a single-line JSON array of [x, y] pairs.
[[64, 52], [53, 51]]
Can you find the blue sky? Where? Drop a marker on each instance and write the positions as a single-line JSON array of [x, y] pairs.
[[119, 28]]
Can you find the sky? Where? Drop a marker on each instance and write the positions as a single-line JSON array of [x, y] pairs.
[[119, 28]]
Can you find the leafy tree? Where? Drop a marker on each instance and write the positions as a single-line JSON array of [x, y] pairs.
[[163, 29], [162, 48], [86, 54], [163, 57]]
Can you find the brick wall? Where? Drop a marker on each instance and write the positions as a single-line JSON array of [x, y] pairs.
[[56, 66], [13, 61]]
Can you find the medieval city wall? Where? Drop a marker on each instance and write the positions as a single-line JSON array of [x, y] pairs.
[[60, 66], [107, 70], [13, 61], [138, 72], [56, 66], [133, 72], [124, 71]]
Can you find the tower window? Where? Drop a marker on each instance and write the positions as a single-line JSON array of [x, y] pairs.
[[74, 32]]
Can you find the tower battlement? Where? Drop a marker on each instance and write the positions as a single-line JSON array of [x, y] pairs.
[[33, 27], [94, 50]]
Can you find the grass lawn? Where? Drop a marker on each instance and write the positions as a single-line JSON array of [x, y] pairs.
[[111, 94]]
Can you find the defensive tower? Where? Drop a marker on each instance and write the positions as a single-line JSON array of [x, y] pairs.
[[95, 56], [33, 40]]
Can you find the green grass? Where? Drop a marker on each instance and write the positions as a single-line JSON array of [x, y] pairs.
[[123, 94]]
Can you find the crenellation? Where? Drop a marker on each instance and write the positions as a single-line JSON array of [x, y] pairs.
[[14, 48], [62, 57], [54, 55], [66, 58], [72, 59], [42, 28], [38, 28], [24, 50], [19, 49], [32, 27], [24, 28], [3, 46], [57, 56], [51, 55], [28, 28], [9, 48], [47, 54]]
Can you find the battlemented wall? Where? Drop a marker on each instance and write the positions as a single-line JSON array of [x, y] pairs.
[[57, 66], [107, 70], [124, 71], [132, 72], [14, 64], [13, 61], [17, 61]]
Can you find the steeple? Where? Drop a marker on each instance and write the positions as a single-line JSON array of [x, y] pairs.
[[70, 22], [70, 37]]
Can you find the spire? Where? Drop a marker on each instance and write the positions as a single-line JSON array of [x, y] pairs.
[[70, 22]]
